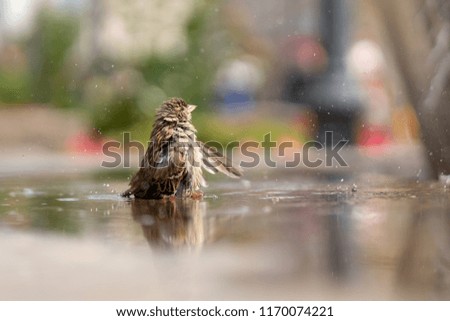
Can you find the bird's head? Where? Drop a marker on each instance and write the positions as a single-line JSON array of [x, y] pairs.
[[175, 110]]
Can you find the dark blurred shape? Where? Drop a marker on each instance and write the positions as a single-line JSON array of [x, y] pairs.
[[333, 93], [420, 34], [339, 247]]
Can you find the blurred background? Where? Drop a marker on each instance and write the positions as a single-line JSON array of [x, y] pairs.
[[76, 73]]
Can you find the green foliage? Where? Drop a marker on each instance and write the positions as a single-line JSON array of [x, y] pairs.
[[190, 75], [42, 75], [120, 96], [251, 127], [119, 114], [49, 47], [14, 86]]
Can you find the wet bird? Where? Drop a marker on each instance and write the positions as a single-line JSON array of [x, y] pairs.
[[174, 160]]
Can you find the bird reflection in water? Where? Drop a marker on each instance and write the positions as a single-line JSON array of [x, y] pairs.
[[172, 223]]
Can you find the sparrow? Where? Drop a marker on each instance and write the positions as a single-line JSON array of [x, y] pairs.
[[174, 160]]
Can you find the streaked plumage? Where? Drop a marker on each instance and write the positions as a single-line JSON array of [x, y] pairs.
[[174, 159]]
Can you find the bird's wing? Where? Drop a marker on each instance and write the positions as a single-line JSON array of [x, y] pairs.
[[162, 168], [214, 161]]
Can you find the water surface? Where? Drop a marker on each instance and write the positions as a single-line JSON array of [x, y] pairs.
[[293, 237]]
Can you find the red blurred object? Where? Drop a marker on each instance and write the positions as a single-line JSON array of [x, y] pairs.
[[84, 143], [375, 136], [306, 53]]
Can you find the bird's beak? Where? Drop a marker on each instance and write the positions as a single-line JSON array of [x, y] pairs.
[[191, 108]]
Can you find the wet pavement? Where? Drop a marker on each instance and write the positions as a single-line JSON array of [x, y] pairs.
[[274, 235]]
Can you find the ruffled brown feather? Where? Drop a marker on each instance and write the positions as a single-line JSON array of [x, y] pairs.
[[174, 159]]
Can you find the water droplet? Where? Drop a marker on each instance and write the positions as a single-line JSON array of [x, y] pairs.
[[67, 199], [28, 192]]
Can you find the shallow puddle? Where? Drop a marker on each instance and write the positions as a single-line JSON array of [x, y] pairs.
[[292, 238]]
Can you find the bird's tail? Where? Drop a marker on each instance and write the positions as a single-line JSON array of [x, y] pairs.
[[214, 162]]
